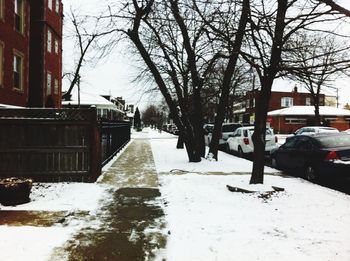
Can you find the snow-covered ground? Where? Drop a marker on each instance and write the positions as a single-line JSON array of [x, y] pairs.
[[204, 219]]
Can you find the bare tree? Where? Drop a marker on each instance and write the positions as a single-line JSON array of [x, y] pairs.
[[87, 33], [336, 7], [272, 25], [180, 50], [315, 62]]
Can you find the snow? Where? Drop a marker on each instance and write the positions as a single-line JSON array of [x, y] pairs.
[[204, 220], [310, 110]]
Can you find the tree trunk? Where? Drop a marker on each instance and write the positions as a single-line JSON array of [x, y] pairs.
[[258, 137], [225, 90], [180, 142]]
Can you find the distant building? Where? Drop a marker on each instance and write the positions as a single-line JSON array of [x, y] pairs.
[[288, 120], [244, 110], [105, 108], [30, 52]]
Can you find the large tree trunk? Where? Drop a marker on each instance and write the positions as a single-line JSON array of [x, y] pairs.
[[266, 81], [258, 137]]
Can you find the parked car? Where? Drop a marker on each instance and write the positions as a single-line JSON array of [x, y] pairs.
[[310, 130], [314, 156], [226, 130], [241, 142]]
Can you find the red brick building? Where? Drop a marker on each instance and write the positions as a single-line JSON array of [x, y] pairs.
[[30, 52], [244, 111], [14, 52]]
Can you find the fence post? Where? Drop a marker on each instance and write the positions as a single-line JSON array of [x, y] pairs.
[[95, 150]]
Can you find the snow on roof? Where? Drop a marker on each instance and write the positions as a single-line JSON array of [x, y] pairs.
[[310, 110], [90, 99], [2, 105]]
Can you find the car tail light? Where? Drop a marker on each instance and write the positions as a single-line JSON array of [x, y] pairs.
[[246, 141], [276, 139], [332, 155]]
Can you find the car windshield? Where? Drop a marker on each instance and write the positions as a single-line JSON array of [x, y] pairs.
[[334, 141], [229, 127], [268, 131]]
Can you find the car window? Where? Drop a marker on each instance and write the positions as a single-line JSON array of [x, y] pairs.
[[303, 143], [333, 141], [290, 143], [238, 133], [230, 127], [245, 133]]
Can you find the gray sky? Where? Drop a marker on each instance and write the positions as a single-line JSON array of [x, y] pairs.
[[114, 75]]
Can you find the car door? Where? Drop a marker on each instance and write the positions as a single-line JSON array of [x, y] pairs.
[[302, 153], [237, 136], [283, 154]]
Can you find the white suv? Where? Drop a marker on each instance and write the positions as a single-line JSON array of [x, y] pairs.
[[227, 129], [241, 141]]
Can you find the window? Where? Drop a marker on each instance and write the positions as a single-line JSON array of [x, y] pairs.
[[56, 46], [57, 6], [1, 63], [19, 15], [56, 87], [18, 71], [49, 4], [286, 101], [49, 41], [2, 13], [48, 84], [308, 101]]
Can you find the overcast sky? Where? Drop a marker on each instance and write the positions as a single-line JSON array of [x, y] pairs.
[[114, 75]]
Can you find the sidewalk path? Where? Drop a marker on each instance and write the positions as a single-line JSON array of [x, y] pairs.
[[131, 217]]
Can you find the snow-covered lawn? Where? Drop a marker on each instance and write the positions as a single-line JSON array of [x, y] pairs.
[[204, 219], [208, 222]]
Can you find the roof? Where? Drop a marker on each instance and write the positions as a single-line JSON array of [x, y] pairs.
[[90, 99], [310, 110]]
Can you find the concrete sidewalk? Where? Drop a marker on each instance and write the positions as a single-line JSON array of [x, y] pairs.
[[128, 217]]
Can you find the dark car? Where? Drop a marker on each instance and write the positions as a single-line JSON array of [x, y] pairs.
[[315, 156]]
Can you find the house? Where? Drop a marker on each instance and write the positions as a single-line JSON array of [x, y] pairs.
[[30, 52], [244, 110], [105, 108], [288, 120]]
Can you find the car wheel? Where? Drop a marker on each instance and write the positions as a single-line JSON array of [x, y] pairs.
[[240, 152], [310, 173], [274, 163]]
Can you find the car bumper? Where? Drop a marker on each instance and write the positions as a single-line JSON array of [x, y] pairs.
[[334, 169]]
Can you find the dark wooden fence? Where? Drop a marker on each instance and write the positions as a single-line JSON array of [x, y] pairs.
[[51, 144]]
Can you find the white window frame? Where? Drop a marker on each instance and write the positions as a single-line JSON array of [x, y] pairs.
[[291, 120], [48, 84], [1, 63], [19, 11], [19, 70], [286, 101], [57, 6], [49, 41], [49, 4], [308, 101], [2, 8], [55, 90], [56, 46]]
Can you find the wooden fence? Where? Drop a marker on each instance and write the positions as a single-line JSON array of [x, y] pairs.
[[50, 144]]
